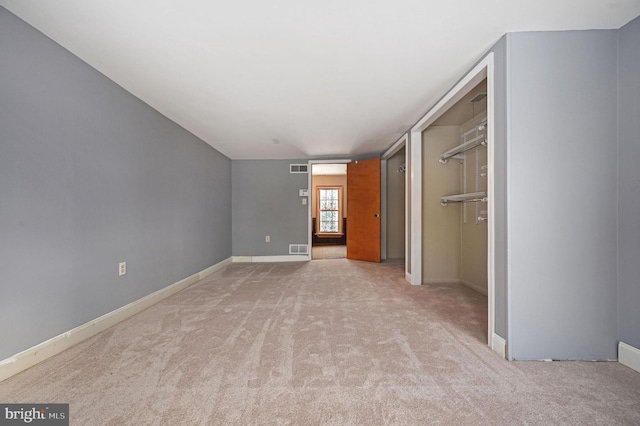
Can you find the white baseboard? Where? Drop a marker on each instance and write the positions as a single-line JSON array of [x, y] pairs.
[[283, 258], [441, 282], [629, 356], [38, 353], [499, 345], [211, 269], [474, 287]]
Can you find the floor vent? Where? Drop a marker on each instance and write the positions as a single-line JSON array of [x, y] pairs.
[[298, 168], [298, 249]]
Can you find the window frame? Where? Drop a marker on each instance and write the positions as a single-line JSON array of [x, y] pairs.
[[340, 211]]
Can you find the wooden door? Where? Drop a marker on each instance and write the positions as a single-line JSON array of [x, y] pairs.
[[363, 210]]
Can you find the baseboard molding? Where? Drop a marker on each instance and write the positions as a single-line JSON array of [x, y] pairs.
[[474, 287], [441, 282], [499, 345], [211, 269], [629, 356], [283, 258], [38, 353]]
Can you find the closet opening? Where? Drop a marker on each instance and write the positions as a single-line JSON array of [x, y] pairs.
[[394, 204], [454, 188], [455, 196], [481, 72]]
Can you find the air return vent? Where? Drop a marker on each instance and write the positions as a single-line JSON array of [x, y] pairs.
[[298, 249], [477, 98], [298, 168]]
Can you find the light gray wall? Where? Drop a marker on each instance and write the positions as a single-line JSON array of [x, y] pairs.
[[266, 202], [629, 183], [562, 194], [91, 176]]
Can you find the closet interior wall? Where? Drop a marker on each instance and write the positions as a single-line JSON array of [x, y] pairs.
[[455, 235], [396, 175], [473, 225]]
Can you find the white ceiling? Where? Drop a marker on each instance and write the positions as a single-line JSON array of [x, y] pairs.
[[294, 79]]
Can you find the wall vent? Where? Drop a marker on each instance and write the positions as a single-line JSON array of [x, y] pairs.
[[298, 168], [477, 98], [298, 249]]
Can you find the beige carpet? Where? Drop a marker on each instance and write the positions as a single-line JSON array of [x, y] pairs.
[[336, 342], [328, 252]]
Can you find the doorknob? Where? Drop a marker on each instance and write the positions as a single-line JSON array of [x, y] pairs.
[[376, 215]]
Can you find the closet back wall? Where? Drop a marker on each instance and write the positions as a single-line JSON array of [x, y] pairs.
[[440, 225], [396, 206], [473, 234]]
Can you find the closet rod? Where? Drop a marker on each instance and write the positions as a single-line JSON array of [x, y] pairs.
[[480, 126], [473, 143], [463, 198]]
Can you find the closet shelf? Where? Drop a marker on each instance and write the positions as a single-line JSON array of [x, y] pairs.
[[469, 145], [463, 198]]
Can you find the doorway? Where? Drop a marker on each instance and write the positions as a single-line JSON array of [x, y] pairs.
[[328, 191]]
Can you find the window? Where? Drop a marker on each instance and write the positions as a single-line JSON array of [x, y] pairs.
[[329, 217]]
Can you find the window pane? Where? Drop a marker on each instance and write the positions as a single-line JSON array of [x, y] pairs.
[[329, 204], [328, 216]]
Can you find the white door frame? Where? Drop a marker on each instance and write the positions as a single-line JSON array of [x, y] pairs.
[[310, 201], [484, 69]]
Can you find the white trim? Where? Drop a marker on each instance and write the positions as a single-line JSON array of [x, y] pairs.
[[429, 282], [407, 211], [414, 167], [475, 287], [397, 146], [275, 259], [499, 345], [629, 356], [311, 197], [383, 209], [484, 69], [491, 205], [211, 269], [468, 82], [40, 352]]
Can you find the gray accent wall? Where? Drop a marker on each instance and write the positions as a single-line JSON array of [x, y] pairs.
[[266, 201], [562, 194], [629, 183], [91, 176]]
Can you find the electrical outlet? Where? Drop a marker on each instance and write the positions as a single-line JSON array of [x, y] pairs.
[[267, 239], [122, 268]]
